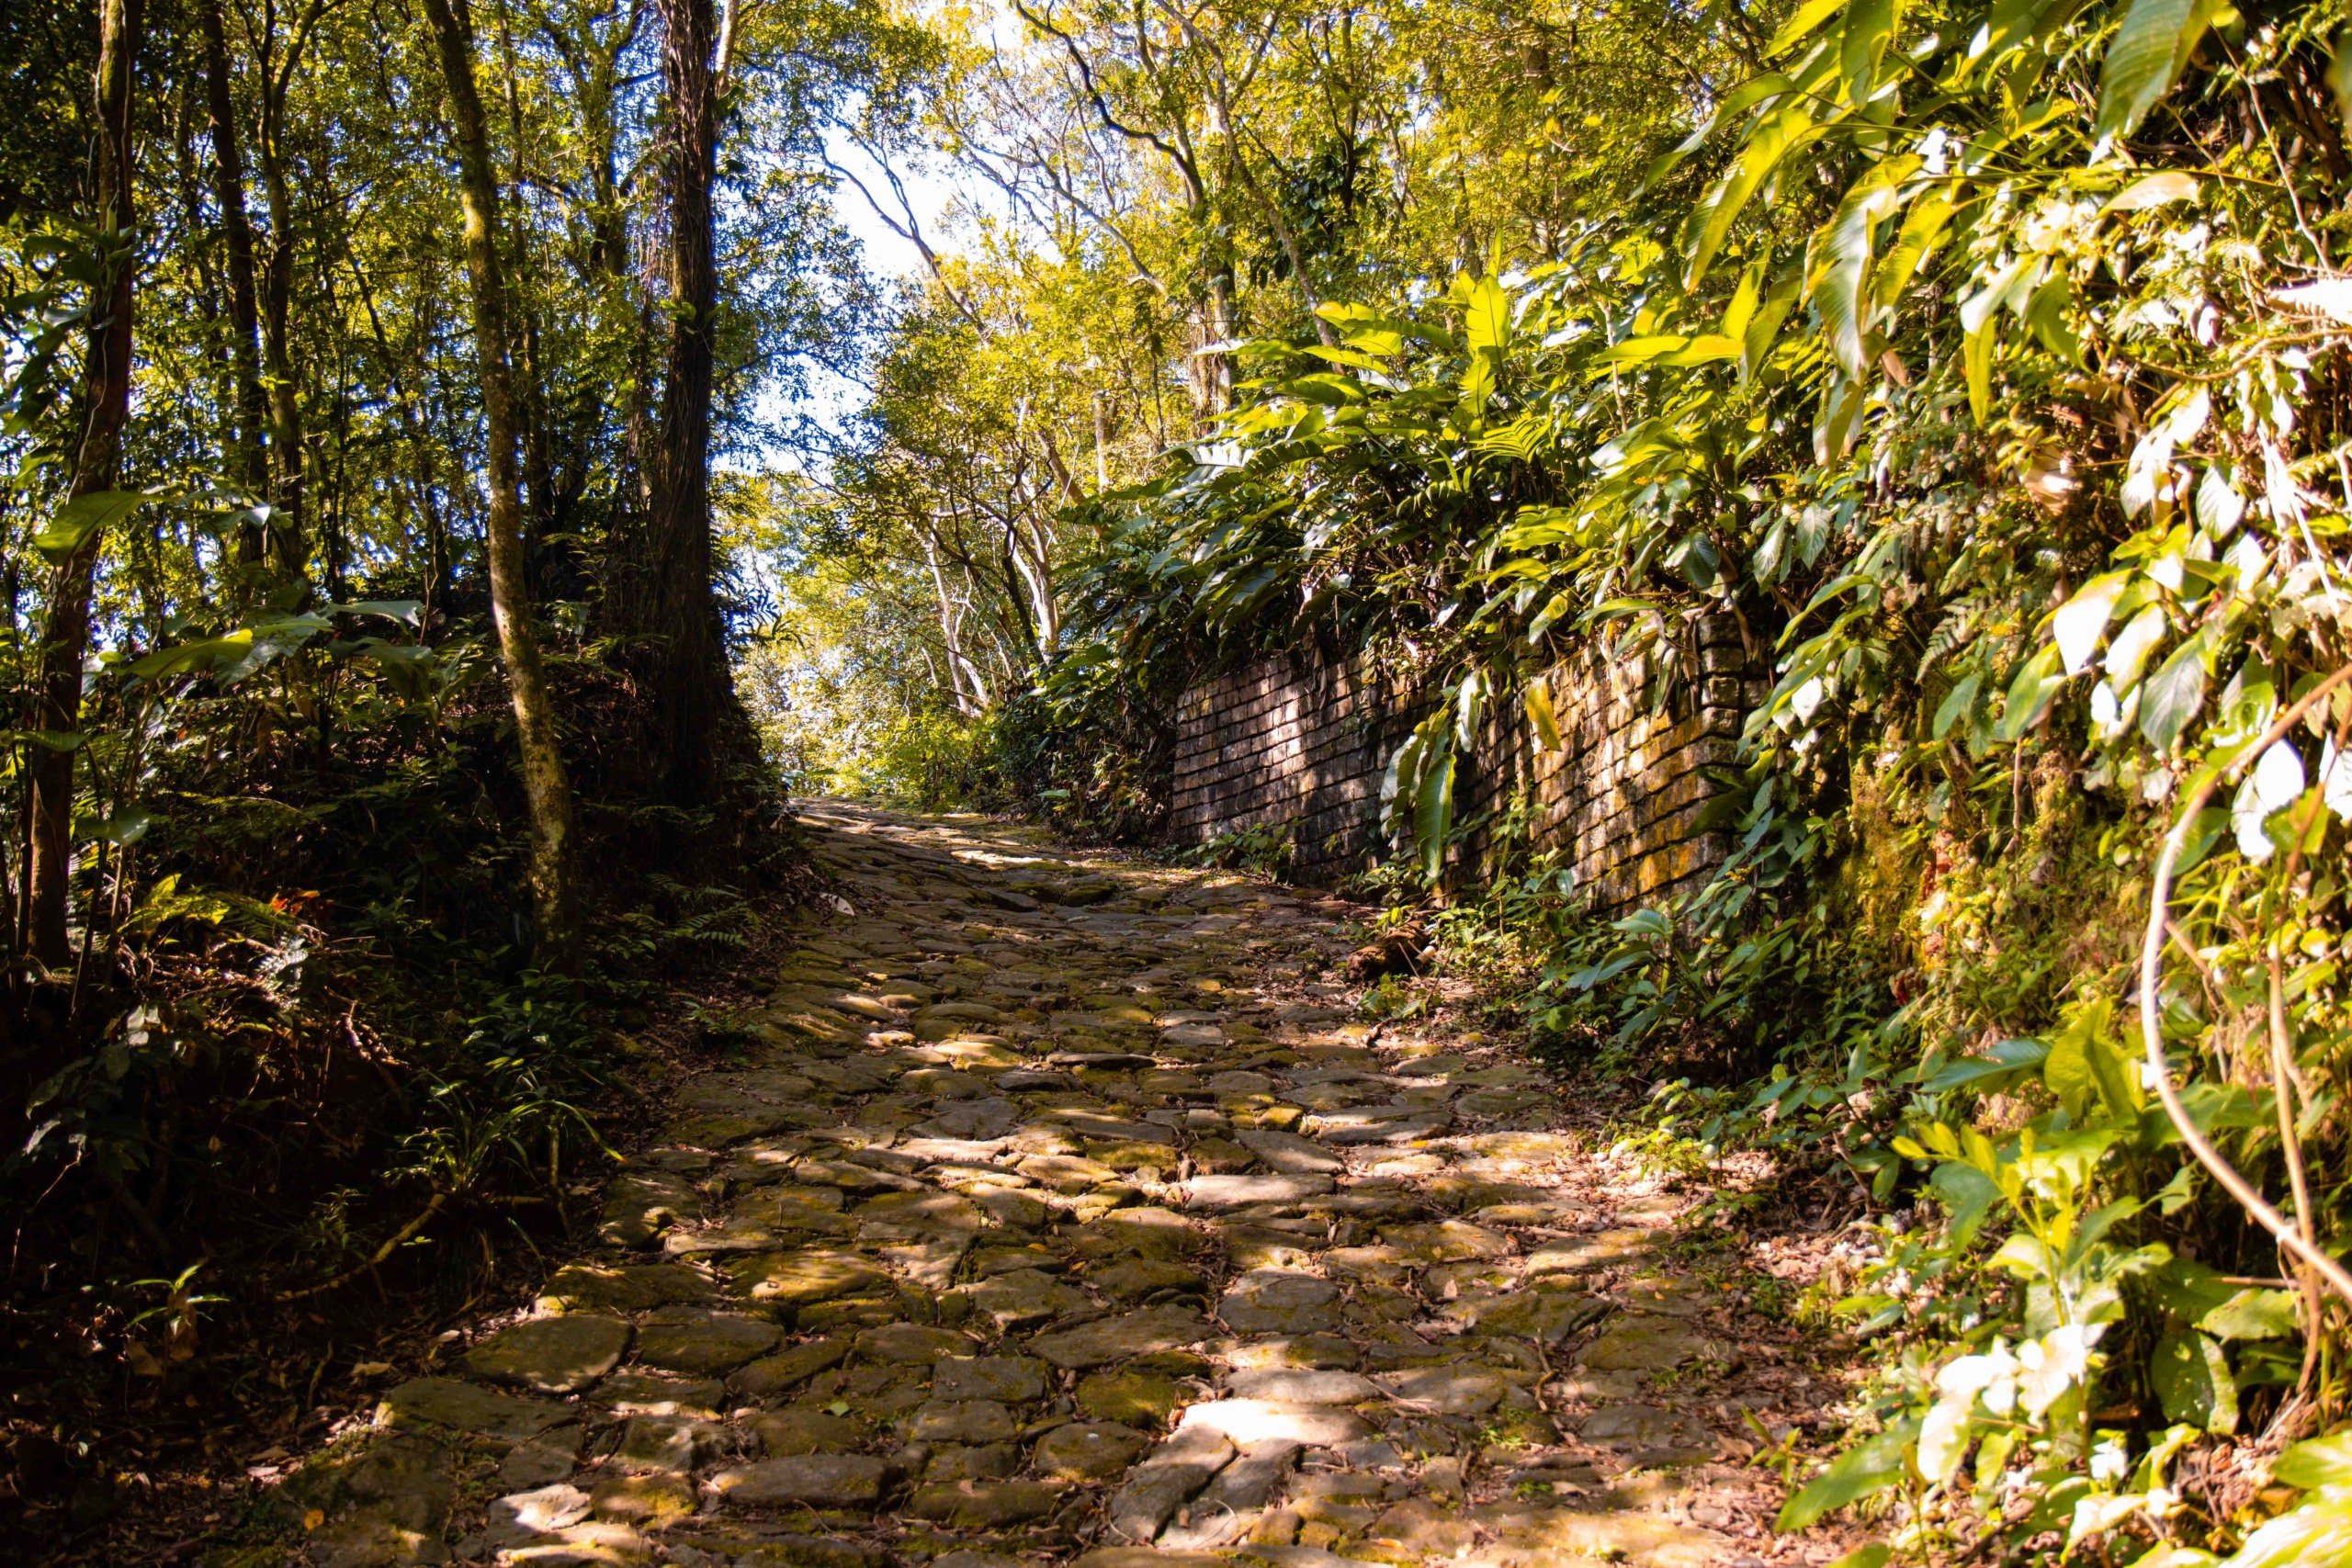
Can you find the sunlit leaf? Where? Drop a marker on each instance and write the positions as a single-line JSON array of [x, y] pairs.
[[1781, 131], [2176, 693], [83, 518], [2145, 59], [2153, 190], [1868, 1467]]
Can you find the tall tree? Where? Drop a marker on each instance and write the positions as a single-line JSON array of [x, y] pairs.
[[98, 464], [664, 596], [544, 783], [252, 414]]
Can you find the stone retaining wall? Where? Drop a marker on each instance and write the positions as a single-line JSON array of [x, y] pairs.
[[1305, 739]]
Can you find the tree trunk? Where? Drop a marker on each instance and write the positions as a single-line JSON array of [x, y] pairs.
[[252, 467], [543, 777], [288, 500], [671, 611], [106, 380], [685, 614]]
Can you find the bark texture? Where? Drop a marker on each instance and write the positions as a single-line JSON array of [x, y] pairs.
[[662, 602], [244, 311], [544, 781], [98, 467]]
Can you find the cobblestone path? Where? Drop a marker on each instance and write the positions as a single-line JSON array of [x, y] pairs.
[[1071, 1210]]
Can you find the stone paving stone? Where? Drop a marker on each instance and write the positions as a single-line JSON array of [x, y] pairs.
[[1166, 1478], [550, 1456], [1266, 1420], [552, 1355], [1011, 1379], [1135, 1279], [1272, 1302], [1122, 1337], [641, 1393], [788, 1368], [1216, 1192], [684, 1339], [1644, 1343], [816, 1481], [806, 1275], [465, 1408], [1286, 1386], [809, 1430], [1088, 1451], [1139, 1398], [1047, 1228], [635, 1287]]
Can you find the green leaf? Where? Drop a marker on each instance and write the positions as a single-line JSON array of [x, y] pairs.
[[2012, 22], [2127, 652], [2081, 620], [204, 653], [1839, 293], [2005, 1062], [1875, 1555], [2323, 1461], [2144, 61], [1740, 99], [2174, 693], [126, 826], [1434, 819], [1862, 44], [82, 517], [2176, 1557], [1969, 1194], [1488, 322], [1708, 348], [1870, 1466], [1352, 358], [2192, 1378], [2153, 190], [1834, 427], [1540, 714], [2318, 1532], [1958, 704], [2253, 1314], [2188, 1289], [402, 610], [1977, 360], [2036, 682], [1922, 231], [2085, 1065], [1641, 350], [1802, 24], [2048, 315], [1711, 222]]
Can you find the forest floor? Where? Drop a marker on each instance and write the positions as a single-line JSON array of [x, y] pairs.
[[1067, 1205]]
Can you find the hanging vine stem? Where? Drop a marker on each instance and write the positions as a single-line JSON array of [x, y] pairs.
[[2290, 1237]]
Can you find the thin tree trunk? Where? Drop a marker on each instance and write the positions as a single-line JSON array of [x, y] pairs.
[[543, 776], [290, 499], [57, 698], [244, 314], [960, 668]]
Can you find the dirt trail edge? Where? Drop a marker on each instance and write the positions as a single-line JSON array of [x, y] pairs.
[[1069, 1210]]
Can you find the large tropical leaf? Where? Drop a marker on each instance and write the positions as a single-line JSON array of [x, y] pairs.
[[82, 518], [1837, 294], [2145, 59], [1781, 133]]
